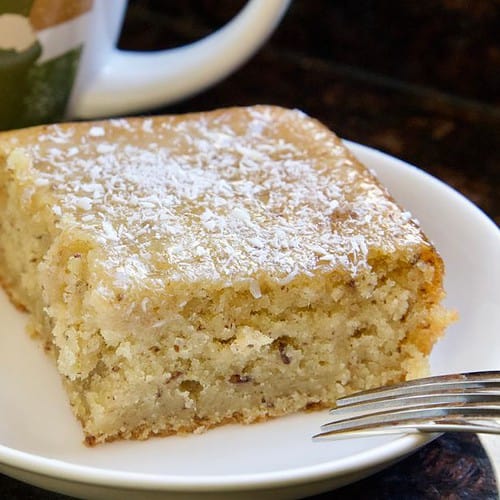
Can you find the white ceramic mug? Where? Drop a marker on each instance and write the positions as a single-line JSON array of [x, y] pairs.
[[59, 59]]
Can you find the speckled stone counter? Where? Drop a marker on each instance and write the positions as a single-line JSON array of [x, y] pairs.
[[417, 79]]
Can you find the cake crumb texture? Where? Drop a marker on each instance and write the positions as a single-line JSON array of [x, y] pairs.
[[229, 266]]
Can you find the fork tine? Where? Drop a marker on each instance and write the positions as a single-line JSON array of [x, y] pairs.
[[428, 412], [414, 426], [456, 381], [400, 402]]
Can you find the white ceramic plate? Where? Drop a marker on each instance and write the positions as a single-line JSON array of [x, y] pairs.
[[40, 441]]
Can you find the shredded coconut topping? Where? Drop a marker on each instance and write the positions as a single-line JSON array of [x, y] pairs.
[[211, 197]]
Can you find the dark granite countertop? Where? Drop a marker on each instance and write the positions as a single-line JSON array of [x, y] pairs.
[[419, 80]]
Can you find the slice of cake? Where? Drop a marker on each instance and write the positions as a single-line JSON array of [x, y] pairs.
[[229, 266]]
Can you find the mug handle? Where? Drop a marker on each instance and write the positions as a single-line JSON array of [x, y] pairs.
[[133, 81]]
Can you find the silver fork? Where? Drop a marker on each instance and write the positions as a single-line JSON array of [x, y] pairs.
[[464, 402]]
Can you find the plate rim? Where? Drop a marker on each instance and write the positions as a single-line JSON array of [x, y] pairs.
[[63, 470]]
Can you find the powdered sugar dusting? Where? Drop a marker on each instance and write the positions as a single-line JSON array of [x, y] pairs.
[[96, 131], [212, 198]]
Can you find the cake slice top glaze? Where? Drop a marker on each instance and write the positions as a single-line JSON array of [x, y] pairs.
[[210, 197]]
